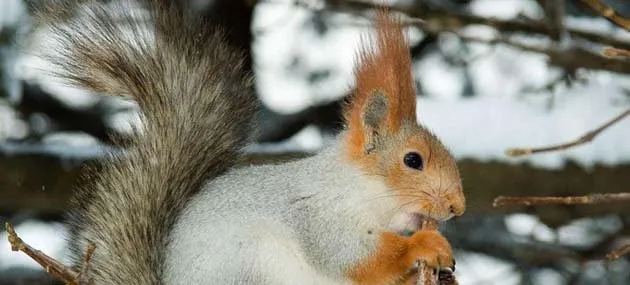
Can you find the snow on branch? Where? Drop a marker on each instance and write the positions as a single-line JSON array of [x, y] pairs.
[[436, 20]]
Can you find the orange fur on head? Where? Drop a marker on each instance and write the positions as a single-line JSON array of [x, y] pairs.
[[383, 67]]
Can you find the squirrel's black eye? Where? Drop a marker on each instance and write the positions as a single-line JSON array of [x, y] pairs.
[[414, 160]]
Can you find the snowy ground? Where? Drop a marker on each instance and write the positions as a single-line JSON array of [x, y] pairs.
[[506, 112]]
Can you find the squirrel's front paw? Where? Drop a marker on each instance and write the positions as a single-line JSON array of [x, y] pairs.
[[432, 247]]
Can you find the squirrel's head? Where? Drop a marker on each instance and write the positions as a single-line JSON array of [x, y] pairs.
[[384, 138]]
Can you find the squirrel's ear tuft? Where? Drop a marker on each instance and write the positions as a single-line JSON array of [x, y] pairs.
[[384, 96]]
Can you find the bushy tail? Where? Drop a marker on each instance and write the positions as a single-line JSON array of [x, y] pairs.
[[196, 114]]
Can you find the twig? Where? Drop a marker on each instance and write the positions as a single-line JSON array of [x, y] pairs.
[[52, 266], [615, 254], [580, 141], [609, 13], [426, 275], [569, 200], [616, 52], [84, 276]]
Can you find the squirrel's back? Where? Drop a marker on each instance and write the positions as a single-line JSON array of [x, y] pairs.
[[196, 118]]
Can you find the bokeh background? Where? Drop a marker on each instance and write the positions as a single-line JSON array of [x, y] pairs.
[[490, 75]]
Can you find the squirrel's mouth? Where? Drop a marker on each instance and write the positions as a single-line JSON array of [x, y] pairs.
[[409, 222]]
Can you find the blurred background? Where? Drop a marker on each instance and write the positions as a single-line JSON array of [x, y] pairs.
[[490, 75]]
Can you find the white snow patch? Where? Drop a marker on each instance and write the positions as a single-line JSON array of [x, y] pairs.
[[544, 233], [528, 225], [70, 139], [34, 68], [598, 26], [474, 268], [506, 9], [521, 224], [484, 127], [438, 78], [506, 71], [588, 231], [308, 139], [11, 126], [287, 52], [12, 12], [128, 122], [13, 23], [548, 277]]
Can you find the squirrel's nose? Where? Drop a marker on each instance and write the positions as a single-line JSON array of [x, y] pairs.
[[457, 204]]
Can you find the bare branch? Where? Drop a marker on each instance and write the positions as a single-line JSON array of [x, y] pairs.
[[84, 277], [426, 276], [580, 141], [436, 21], [554, 10], [615, 254], [597, 198], [53, 267], [615, 52], [609, 13], [453, 20]]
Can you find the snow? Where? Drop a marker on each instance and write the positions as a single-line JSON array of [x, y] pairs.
[[502, 122], [521, 224], [510, 109], [433, 72], [599, 26], [12, 18], [505, 9], [473, 268], [529, 226], [588, 231], [286, 59], [548, 276], [308, 139], [12, 12], [11, 126]]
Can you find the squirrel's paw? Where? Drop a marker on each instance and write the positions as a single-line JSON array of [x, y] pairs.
[[433, 248]]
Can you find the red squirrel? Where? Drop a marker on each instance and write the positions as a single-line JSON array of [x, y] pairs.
[[172, 208]]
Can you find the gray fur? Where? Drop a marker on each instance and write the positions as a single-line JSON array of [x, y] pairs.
[[255, 226], [196, 114], [373, 117], [376, 110]]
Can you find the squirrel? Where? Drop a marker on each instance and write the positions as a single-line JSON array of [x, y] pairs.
[[173, 207]]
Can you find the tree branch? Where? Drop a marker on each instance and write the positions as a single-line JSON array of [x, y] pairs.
[[615, 52], [580, 141], [615, 254], [428, 276], [597, 198], [457, 20], [436, 20], [609, 13], [51, 265]]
